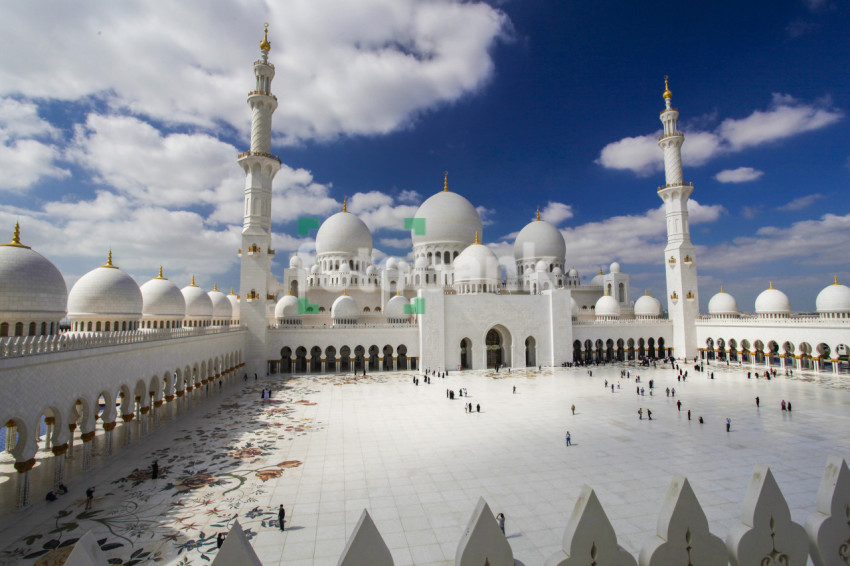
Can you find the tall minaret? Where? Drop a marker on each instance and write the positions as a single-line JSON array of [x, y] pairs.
[[260, 167], [679, 257]]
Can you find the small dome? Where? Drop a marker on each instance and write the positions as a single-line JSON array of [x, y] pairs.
[[161, 297], [723, 304], [344, 233], [198, 303], [392, 263], [344, 267], [477, 263], [395, 307], [541, 266], [371, 270], [234, 305], [221, 308], [598, 280], [29, 282], [539, 239], [295, 262], [345, 308], [614, 267], [607, 306], [315, 269], [573, 272], [105, 290], [834, 299], [574, 307], [647, 306], [403, 266], [773, 301], [557, 272], [421, 263], [286, 307], [449, 219]]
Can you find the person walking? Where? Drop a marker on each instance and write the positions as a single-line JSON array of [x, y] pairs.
[[679, 405], [649, 413], [757, 402], [477, 408], [500, 518], [514, 388], [154, 470], [728, 424], [569, 439], [789, 406], [573, 408], [640, 413], [89, 497], [689, 414], [281, 516], [219, 540]]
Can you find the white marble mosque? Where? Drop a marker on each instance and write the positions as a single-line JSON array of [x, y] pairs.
[[110, 358]]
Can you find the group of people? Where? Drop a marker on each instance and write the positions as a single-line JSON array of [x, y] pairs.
[[266, 394], [468, 408], [53, 495]]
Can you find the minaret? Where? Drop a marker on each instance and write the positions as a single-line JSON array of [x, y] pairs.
[[260, 167], [679, 257]]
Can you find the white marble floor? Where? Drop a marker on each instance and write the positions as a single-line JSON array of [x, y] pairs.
[[418, 462]]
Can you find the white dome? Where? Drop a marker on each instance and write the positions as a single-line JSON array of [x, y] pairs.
[[834, 299], [723, 304], [449, 218], [345, 308], [344, 233], [395, 307], [198, 303], [540, 239], [30, 283], [574, 307], [614, 267], [234, 305], [607, 306], [477, 263], [557, 272], [161, 297], [371, 270], [421, 263], [344, 267], [403, 267], [647, 306], [286, 307], [598, 279], [772, 301], [541, 266], [573, 272], [105, 290], [295, 262], [392, 263], [315, 269], [220, 304]]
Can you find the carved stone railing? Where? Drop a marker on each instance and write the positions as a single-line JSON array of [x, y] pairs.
[[765, 534], [18, 346]]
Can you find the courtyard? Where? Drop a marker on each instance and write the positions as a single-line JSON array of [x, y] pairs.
[[328, 446]]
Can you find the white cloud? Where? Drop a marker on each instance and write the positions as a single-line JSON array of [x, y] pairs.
[[409, 197], [785, 117], [25, 160], [739, 175], [397, 243], [364, 202], [556, 212], [365, 67], [802, 202]]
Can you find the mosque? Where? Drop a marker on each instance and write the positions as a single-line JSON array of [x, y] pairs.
[[110, 360]]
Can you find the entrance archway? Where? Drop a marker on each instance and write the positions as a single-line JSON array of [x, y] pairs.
[[498, 346], [530, 352], [466, 354]]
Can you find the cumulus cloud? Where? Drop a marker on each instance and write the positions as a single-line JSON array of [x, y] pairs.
[[366, 67], [27, 148], [802, 202], [785, 117], [556, 212], [739, 175]]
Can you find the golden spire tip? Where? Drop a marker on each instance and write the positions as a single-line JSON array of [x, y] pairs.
[[771, 284], [16, 238], [538, 213], [109, 260], [231, 290], [721, 289], [476, 238], [160, 273], [215, 286], [192, 284], [667, 93], [345, 203], [835, 279], [264, 44], [446, 183]]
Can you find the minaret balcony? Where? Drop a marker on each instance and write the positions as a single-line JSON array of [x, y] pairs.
[[690, 296], [674, 297], [676, 135], [270, 251], [260, 92], [252, 296], [675, 185], [257, 154], [688, 260]]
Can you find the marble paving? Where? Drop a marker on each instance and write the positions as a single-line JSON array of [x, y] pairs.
[[328, 446]]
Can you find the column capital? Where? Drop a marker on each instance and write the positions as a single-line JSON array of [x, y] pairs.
[[25, 466], [59, 450], [87, 436], [109, 427]]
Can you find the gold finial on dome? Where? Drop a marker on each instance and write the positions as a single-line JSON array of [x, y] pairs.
[[600, 271], [645, 293], [215, 286], [538, 213], [160, 274], [721, 289], [477, 241], [667, 94], [835, 279], [192, 284], [446, 183], [345, 203], [109, 261], [16, 238], [264, 44], [771, 285], [231, 290], [345, 292]]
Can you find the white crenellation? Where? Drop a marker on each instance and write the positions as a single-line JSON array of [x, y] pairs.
[[829, 526], [482, 541], [365, 546]]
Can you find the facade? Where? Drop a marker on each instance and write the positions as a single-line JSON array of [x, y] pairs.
[[136, 356]]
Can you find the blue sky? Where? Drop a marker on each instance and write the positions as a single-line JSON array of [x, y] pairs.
[[120, 123]]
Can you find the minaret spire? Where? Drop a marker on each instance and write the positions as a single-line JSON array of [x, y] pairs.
[[681, 271]]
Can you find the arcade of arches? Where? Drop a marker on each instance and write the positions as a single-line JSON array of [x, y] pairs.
[[343, 359], [611, 350], [786, 355]]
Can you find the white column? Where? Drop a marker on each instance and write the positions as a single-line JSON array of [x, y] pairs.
[[59, 464], [23, 469]]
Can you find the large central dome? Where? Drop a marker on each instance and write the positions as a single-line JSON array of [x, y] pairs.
[[449, 218], [539, 239], [344, 233]]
